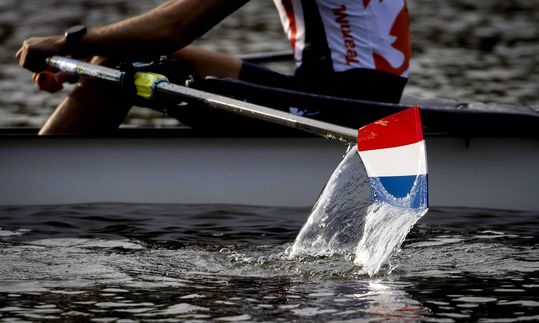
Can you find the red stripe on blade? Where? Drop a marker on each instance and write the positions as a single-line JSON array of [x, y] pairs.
[[399, 129]]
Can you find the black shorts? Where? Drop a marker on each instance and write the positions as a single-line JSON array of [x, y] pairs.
[[363, 84], [360, 84]]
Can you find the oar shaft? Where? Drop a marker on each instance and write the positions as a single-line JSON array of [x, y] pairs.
[[324, 129], [166, 89]]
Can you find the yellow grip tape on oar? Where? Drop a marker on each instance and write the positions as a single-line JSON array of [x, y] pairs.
[[146, 82]]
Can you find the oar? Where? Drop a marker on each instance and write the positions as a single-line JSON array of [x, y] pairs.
[[392, 149]]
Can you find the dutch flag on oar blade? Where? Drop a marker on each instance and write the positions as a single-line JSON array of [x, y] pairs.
[[393, 152]]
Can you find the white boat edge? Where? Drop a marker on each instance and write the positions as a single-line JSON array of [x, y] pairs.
[[490, 172]]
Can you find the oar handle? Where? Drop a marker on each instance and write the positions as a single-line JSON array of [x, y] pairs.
[[79, 68]]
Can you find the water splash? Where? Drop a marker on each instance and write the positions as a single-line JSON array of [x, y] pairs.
[[345, 221], [336, 218], [384, 231]]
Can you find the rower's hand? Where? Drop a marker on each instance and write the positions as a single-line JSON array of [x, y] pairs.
[[52, 82], [35, 50]]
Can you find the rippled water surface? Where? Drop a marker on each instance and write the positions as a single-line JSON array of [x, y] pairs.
[[105, 262], [463, 49]]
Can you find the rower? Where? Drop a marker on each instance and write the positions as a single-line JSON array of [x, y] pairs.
[[355, 49]]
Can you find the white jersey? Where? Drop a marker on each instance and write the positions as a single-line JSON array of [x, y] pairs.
[[348, 34]]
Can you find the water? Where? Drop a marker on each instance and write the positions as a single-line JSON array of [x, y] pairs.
[[386, 228], [463, 49], [337, 219], [106, 262]]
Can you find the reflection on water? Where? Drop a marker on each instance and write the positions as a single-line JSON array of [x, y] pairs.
[[105, 262], [463, 49]]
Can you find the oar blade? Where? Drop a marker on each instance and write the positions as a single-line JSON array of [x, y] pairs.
[[394, 154]]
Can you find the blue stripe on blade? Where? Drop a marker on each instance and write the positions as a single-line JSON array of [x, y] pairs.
[[401, 191]]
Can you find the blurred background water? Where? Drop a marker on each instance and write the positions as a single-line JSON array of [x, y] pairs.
[[464, 49]]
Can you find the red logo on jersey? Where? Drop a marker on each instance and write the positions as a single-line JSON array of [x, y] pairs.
[[401, 35], [341, 17]]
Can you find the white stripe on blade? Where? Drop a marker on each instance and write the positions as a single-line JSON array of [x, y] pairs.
[[399, 161]]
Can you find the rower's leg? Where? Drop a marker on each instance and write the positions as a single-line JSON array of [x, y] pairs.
[[209, 63], [91, 108]]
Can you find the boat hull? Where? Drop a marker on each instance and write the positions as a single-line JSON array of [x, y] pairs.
[[493, 172]]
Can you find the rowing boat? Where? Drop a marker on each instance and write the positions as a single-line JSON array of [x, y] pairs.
[[186, 166], [480, 156]]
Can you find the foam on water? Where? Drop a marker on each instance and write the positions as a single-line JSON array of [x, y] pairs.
[[345, 221]]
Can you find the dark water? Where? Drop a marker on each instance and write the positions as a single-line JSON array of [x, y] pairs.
[[116, 262], [463, 49]]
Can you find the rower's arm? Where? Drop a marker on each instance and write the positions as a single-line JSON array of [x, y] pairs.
[[162, 30]]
